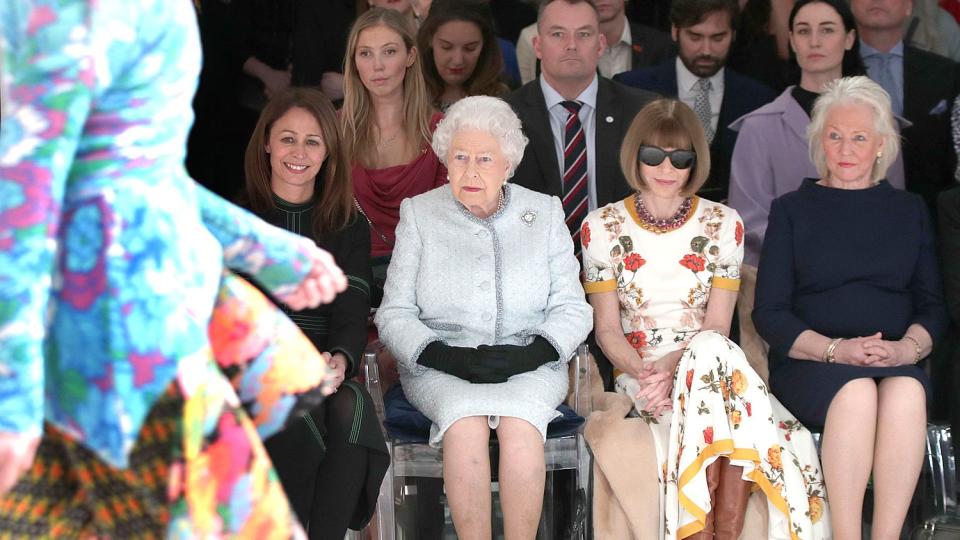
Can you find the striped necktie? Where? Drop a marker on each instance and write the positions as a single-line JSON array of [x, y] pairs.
[[575, 194]]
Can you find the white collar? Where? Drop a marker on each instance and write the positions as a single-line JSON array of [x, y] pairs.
[[553, 98], [687, 81]]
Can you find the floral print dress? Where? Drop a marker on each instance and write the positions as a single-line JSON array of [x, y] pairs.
[[146, 366], [721, 407]]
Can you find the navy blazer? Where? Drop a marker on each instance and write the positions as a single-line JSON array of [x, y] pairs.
[[741, 95], [930, 83], [539, 169]]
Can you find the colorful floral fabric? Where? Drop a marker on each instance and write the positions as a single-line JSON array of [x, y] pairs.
[[111, 258], [720, 405], [197, 469]]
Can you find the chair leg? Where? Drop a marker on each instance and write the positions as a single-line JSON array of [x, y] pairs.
[[731, 501], [713, 480]]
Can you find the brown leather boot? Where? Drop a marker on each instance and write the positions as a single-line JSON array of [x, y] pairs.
[[713, 480], [731, 501]]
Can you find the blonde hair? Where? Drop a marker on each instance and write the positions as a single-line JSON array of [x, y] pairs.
[[855, 90], [356, 116], [667, 123]]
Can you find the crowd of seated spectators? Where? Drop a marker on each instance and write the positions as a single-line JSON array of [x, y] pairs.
[[721, 197]]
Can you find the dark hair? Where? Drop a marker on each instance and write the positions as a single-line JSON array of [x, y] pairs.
[[754, 18], [545, 3], [486, 77], [687, 13], [333, 192], [852, 63]]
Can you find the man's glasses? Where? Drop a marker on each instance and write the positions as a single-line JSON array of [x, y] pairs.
[[654, 155]]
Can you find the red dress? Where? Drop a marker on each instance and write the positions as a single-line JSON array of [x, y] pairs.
[[380, 191]]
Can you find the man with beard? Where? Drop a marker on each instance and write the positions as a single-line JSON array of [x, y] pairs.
[[704, 31]]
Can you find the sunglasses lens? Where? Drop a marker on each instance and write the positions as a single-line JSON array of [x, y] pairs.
[[682, 159], [651, 155]]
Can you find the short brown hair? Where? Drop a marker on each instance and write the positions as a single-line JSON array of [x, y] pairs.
[[667, 123], [544, 3], [687, 13]]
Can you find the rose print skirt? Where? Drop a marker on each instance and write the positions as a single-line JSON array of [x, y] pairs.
[[721, 407], [198, 468]]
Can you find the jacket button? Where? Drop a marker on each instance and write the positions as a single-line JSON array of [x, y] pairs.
[[486, 317], [485, 286], [483, 258], [483, 234]]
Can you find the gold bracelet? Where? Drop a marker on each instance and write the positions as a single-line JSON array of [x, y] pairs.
[[916, 347], [831, 348]]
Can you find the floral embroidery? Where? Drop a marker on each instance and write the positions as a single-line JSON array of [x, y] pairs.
[[637, 339], [633, 261], [694, 262], [739, 382], [774, 457], [585, 234], [738, 233]]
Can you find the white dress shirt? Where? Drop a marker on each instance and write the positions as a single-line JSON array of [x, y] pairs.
[[687, 90], [588, 117], [618, 57]]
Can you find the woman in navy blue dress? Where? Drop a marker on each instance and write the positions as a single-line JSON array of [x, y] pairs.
[[849, 298]]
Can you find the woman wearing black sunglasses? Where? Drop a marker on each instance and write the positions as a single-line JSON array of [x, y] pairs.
[[662, 272]]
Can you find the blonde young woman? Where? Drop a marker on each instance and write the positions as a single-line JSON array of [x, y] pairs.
[[387, 121]]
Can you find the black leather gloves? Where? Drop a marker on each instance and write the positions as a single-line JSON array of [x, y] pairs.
[[488, 363]]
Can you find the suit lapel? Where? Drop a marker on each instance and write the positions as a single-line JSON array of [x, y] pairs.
[[670, 77], [537, 124], [610, 124], [915, 85]]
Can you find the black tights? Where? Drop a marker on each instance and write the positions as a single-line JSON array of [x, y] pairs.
[[325, 478]]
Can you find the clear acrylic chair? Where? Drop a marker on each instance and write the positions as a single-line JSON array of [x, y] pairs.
[[418, 460]]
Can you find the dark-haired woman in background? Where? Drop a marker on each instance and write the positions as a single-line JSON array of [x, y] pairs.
[[298, 178], [771, 154], [460, 53]]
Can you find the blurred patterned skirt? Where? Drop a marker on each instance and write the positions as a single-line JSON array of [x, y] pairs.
[[198, 468]]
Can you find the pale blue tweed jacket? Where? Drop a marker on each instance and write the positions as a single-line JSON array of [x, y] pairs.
[[468, 281]]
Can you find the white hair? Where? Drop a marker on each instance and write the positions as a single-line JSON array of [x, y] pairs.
[[482, 113], [855, 90]]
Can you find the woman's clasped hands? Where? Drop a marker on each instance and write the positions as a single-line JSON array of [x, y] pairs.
[[656, 383], [874, 351]]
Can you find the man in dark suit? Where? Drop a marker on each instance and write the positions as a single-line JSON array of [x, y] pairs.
[[569, 45], [946, 360], [922, 87], [704, 31], [629, 45]]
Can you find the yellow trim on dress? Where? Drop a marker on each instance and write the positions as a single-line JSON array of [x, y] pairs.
[[725, 448], [606, 285], [725, 283], [632, 210]]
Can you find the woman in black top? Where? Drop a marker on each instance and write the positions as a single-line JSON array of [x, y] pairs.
[[297, 177]]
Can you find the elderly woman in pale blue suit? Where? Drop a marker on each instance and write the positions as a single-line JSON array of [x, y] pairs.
[[482, 308]]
